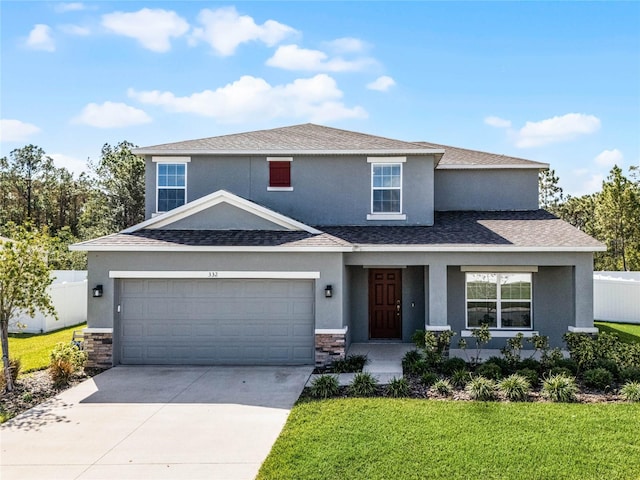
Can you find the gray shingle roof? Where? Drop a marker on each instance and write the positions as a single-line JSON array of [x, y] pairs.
[[297, 138], [518, 229], [531, 230], [456, 156]]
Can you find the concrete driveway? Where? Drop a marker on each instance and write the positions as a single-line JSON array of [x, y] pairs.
[[154, 423]]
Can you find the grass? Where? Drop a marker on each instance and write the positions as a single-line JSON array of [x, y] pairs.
[[416, 439], [33, 349], [627, 332]]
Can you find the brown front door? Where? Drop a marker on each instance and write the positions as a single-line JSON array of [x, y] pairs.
[[385, 303]]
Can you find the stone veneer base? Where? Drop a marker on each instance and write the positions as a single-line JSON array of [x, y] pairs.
[[329, 347], [98, 343]]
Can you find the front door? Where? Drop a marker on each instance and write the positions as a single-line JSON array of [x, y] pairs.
[[385, 303]]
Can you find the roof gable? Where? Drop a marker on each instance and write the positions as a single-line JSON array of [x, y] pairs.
[[233, 213]]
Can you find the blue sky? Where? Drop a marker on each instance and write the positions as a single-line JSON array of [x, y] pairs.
[[553, 82]]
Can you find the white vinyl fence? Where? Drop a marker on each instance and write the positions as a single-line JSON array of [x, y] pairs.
[[616, 296], [69, 295]]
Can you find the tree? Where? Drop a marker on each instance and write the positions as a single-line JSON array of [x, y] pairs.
[[549, 191], [24, 278], [117, 198], [617, 216]]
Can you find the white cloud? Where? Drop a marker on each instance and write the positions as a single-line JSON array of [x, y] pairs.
[[73, 164], [112, 115], [15, 130], [153, 28], [593, 184], [69, 7], [224, 30], [74, 30], [381, 84], [40, 38], [497, 122], [347, 45], [317, 99], [292, 57], [609, 158], [556, 129]]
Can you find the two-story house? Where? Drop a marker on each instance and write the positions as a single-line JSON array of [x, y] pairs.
[[283, 246]]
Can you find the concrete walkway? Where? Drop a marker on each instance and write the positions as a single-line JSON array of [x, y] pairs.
[[384, 361], [154, 423]]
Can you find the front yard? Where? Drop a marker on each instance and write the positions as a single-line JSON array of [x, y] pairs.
[[381, 438]]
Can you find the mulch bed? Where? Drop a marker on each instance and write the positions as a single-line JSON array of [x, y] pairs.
[[34, 388]]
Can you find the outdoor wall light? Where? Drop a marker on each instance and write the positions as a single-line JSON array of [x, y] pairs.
[[328, 291], [97, 291]]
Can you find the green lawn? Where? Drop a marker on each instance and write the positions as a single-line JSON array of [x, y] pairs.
[[429, 439], [627, 332], [33, 349]]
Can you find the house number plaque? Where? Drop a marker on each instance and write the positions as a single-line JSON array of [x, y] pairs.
[[213, 275]]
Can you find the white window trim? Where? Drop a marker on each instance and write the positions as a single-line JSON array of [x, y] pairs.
[[386, 159], [386, 215], [279, 189], [495, 331], [186, 177], [170, 159]]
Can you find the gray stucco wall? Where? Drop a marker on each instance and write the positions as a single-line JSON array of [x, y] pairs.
[[101, 311], [327, 190], [515, 189], [413, 304]]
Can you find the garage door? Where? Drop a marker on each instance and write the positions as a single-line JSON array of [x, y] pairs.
[[216, 322]]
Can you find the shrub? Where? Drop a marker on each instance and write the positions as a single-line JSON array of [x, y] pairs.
[[398, 388], [630, 391], [481, 388], [412, 362], [561, 371], [560, 388], [506, 367], [513, 349], [418, 338], [324, 386], [599, 378], [443, 387], [14, 367], [66, 359], [531, 364], [489, 370], [363, 385], [450, 365], [609, 365], [568, 364], [530, 375], [515, 387], [482, 336], [352, 363], [460, 378], [436, 345], [428, 378], [630, 374]]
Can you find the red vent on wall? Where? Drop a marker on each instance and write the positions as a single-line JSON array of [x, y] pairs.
[[279, 174]]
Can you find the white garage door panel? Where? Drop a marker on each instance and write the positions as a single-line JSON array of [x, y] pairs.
[[166, 321]]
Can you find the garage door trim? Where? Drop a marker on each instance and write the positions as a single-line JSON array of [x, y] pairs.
[[213, 274]]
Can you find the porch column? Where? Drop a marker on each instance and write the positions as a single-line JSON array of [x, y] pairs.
[[583, 294], [437, 298]]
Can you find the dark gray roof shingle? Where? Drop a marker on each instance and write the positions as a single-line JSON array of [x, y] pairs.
[[533, 230]]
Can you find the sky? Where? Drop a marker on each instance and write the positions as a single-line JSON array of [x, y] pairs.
[[555, 82]]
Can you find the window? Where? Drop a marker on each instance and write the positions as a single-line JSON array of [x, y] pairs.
[[386, 188], [279, 174], [501, 300], [172, 186]]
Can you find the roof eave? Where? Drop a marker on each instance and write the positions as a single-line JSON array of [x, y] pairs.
[[535, 166], [79, 247]]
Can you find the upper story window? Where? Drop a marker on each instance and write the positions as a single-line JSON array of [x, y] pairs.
[[501, 300], [171, 186], [280, 174], [386, 188]]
